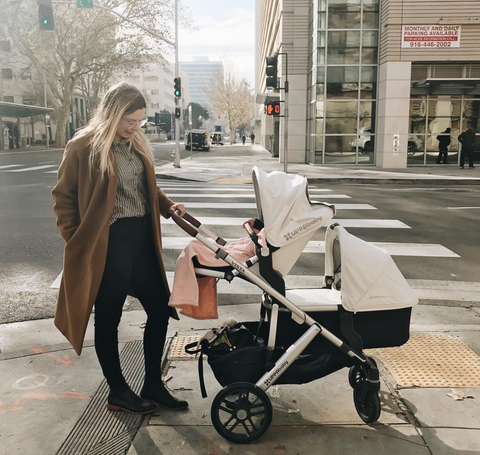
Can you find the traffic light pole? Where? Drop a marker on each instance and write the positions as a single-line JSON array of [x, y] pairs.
[[285, 116], [176, 161]]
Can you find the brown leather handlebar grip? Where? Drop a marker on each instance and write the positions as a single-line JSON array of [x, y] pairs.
[[188, 228]]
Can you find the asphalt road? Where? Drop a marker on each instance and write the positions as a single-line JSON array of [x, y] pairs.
[[31, 249]]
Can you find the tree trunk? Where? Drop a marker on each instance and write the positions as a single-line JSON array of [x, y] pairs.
[[232, 134], [62, 118]]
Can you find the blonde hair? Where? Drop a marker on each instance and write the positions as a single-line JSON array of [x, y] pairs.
[[100, 132]]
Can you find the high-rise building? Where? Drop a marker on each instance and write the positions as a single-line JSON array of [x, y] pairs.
[[371, 81], [201, 72]]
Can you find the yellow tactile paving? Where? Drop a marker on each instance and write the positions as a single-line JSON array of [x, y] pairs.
[[431, 361], [177, 349]]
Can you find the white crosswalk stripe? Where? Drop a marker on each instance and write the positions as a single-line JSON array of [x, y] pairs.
[[252, 205], [35, 168], [229, 189], [9, 166], [246, 195], [318, 247]]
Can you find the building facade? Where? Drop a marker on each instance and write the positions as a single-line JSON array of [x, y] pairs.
[[370, 81], [201, 72]]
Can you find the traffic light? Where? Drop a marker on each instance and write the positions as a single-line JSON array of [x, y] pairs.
[[84, 3], [273, 108], [157, 118], [178, 112], [45, 14], [271, 71], [177, 82]]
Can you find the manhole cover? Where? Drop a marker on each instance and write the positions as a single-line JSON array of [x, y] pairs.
[[177, 348], [431, 361]]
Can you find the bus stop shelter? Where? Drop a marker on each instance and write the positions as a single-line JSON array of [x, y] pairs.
[[10, 115]]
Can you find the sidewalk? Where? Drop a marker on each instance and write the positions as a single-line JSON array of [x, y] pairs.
[[52, 402], [34, 149], [210, 167]]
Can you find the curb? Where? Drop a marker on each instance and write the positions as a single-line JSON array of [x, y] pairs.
[[23, 152]]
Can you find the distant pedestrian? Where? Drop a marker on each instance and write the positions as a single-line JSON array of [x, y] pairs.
[[252, 138], [108, 210], [243, 139], [467, 139], [443, 143]]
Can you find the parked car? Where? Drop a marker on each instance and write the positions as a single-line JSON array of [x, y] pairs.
[[365, 144], [197, 140], [217, 138]]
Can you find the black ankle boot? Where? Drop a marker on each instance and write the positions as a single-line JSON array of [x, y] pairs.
[[129, 401], [160, 395]]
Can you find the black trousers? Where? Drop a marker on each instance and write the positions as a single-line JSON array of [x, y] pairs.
[[131, 268], [469, 152], [443, 152]]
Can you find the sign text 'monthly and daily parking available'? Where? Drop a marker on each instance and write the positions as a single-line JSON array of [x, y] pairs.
[[430, 36]]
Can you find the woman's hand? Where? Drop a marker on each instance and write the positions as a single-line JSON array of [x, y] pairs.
[[251, 222], [179, 207]]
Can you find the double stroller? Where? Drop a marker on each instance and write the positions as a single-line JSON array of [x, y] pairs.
[[363, 301]]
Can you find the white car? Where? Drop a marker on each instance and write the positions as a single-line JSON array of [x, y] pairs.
[[365, 144]]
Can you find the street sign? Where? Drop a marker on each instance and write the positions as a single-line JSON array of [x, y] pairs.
[[84, 3], [431, 36]]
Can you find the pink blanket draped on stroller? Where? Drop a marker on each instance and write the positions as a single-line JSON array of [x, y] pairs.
[[197, 297]]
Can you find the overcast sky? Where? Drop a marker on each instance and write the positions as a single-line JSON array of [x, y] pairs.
[[225, 31]]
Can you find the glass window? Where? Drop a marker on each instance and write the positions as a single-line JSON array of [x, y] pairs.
[[318, 143], [338, 150], [343, 56], [335, 109], [321, 39], [319, 126], [320, 108], [370, 5], [322, 21], [321, 74], [342, 82], [343, 19], [321, 56], [344, 39], [320, 91], [369, 55], [370, 20], [369, 38], [322, 5], [341, 117], [368, 86], [369, 46], [367, 115]]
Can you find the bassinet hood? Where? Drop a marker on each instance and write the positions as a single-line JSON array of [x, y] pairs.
[[371, 281], [284, 206]]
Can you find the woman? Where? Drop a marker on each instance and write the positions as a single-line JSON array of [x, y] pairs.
[[107, 206]]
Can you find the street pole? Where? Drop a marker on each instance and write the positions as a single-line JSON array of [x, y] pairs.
[[176, 162], [285, 115], [45, 100]]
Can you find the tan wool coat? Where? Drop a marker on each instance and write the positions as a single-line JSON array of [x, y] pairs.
[[83, 206]]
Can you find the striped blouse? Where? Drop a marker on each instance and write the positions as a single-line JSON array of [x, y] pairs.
[[132, 199]]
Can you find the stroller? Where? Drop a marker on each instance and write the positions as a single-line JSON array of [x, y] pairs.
[[362, 302]]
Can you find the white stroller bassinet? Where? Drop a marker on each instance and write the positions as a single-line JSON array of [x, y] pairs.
[[364, 302]]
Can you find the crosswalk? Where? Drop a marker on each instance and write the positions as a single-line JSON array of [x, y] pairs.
[[202, 200], [21, 168]]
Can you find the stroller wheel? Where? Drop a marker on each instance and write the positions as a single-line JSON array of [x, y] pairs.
[[357, 373], [367, 403], [241, 412]]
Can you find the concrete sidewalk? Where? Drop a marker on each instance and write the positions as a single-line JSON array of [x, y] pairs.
[[53, 402], [237, 168]]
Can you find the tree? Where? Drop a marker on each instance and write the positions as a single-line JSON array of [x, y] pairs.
[[199, 114], [233, 99], [86, 49]]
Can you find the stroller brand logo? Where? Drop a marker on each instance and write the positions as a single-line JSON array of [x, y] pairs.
[[290, 235], [238, 267], [270, 379]]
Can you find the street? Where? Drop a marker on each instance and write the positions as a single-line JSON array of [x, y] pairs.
[[429, 231]]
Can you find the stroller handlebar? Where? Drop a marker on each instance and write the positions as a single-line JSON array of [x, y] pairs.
[[187, 222]]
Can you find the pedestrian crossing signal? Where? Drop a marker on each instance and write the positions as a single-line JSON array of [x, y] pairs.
[[273, 108]]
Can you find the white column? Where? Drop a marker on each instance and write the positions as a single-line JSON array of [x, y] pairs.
[[393, 114]]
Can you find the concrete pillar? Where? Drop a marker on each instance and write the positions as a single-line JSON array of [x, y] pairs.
[[393, 115]]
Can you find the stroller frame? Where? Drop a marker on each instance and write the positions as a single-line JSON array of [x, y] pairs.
[[363, 375]]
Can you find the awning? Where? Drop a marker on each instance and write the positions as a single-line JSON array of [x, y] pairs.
[[263, 98], [446, 86], [21, 110]]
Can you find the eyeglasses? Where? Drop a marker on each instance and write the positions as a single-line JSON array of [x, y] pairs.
[[132, 123]]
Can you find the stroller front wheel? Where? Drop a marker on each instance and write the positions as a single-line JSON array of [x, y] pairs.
[[367, 402], [358, 373], [241, 412]]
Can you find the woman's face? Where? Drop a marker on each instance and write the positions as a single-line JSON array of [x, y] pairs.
[[129, 124]]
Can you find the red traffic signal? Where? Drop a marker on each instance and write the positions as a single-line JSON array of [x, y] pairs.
[[273, 108]]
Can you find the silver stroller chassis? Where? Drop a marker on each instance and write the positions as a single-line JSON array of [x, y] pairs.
[[242, 404]]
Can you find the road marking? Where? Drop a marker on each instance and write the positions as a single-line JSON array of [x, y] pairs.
[[51, 172], [463, 208], [229, 188], [348, 223], [36, 168], [11, 165], [238, 195], [251, 205], [395, 249]]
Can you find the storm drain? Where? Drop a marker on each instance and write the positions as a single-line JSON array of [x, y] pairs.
[[177, 347], [102, 432], [431, 361]]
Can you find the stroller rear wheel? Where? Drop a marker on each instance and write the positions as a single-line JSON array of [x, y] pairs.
[[367, 402], [241, 412]]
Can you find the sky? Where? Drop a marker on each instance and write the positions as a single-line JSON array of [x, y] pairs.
[[225, 31]]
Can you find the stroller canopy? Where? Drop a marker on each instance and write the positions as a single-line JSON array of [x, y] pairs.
[[371, 281], [285, 208]]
